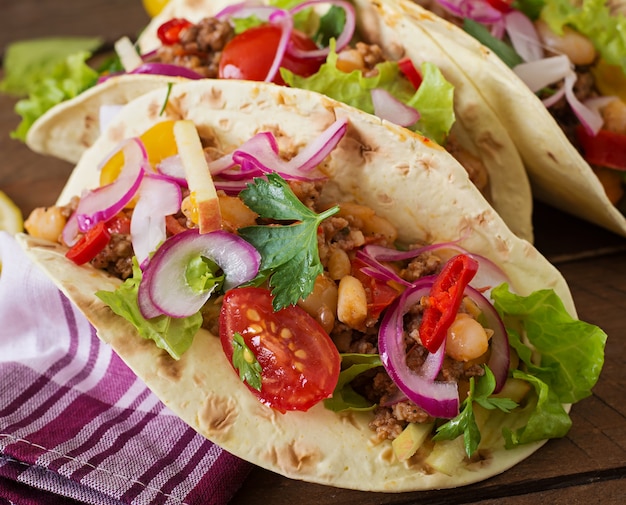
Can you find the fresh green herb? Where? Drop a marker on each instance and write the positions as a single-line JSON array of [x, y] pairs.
[[433, 100], [331, 25], [173, 335], [344, 396], [203, 274], [504, 51], [465, 423], [167, 97], [245, 363], [290, 257]]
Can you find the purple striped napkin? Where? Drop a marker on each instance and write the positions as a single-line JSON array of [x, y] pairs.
[[76, 423]]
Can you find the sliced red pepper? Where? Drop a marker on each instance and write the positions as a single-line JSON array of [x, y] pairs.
[[445, 299], [379, 293], [606, 149], [410, 72], [90, 244], [503, 6], [169, 32]]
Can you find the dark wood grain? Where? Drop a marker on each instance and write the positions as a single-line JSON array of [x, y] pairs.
[[588, 466]]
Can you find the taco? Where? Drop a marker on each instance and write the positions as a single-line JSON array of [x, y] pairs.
[[383, 73], [563, 64], [308, 202]]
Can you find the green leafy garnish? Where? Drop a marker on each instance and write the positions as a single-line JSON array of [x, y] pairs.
[[173, 335], [433, 100], [290, 257], [245, 363], [465, 423], [572, 351], [344, 396], [203, 274]]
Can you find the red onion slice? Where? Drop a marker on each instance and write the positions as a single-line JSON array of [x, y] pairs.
[[478, 10], [284, 20], [523, 36], [388, 107], [158, 197], [164, 281], [104, 202], [438, 399], [167, 69], [541, 73]]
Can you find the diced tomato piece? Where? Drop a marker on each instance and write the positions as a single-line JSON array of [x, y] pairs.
[[169, 32], [606, 149]]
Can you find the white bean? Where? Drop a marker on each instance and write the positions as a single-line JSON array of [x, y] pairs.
[[351, 302], [578, 48]]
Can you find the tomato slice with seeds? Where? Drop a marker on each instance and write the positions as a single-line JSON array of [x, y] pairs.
[[299, 362]]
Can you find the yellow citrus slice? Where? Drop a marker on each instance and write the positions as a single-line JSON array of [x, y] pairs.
[[10, 215], [153, 7]]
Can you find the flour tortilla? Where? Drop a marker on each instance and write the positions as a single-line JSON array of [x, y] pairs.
[[403, 176], [559, 175], [70, 128], [67, 129]]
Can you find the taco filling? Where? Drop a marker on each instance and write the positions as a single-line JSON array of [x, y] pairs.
[[318, 301], [571, 55]]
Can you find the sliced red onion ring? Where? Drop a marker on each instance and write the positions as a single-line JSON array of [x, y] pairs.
[[284, 20], [523, 36], [172, 167], [344, 37], [478, 10], [438, 399], [158, 197], [541, 73], [388, 107], [246, 10], [591, 119], [488, 276], [157, 68], [104, 202], [164, 280], [499, 358]]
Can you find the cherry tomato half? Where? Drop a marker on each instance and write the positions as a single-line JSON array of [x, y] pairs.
[[299, 362], [250, 55]]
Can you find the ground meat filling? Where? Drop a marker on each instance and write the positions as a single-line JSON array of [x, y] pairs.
[[200, 47]]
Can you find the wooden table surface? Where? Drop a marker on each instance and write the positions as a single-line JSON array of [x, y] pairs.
[[588, 466]]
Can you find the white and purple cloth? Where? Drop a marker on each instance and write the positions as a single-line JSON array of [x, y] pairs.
[[76, 424]]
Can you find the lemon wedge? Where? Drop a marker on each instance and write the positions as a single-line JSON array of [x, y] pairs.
[[153, 7], [10, 215]]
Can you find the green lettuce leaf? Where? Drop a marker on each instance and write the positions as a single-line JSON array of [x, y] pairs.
[[572, 351], [433, 99], [66, 80], [28, 62], [546, 416], [174, 335], [344, 396]]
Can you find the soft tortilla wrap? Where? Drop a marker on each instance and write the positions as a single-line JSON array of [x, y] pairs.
[[403, 176], [559, 175], [478, 129]]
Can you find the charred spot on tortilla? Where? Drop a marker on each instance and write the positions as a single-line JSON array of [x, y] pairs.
[[213, 98], [295, 457], [217, 415], [168, 367]]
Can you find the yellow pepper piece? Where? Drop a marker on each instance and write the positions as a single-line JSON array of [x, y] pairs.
[[610, 80], [159, 142]]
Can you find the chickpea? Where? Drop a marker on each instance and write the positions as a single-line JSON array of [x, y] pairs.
[[578, 48], [338, 264], [614, 115], [466, 339], [351, 302], [46, 223]]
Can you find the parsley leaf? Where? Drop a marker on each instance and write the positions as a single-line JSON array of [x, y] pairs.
[[465, 423], [289, 252], [245, 363]]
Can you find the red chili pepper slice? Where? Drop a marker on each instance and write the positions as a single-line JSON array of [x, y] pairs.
[[410, 72], [606, 149], [90, 244], [169, 32], [445, 299]]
